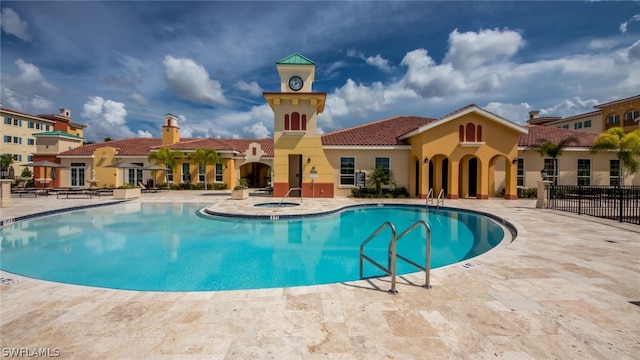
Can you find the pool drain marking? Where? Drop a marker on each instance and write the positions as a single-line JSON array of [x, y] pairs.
[[637, 303], [470, 265], [7, 282]]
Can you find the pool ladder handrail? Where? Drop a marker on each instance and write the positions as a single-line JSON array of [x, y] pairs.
[[287, 194], [439, 201], [393, 255]]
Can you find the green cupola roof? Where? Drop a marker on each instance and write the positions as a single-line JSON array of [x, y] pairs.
[[295, 59]]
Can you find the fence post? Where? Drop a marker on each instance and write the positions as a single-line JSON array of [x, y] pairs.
[[579, 199], [620, 217]]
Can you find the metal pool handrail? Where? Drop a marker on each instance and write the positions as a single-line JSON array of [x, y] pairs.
[[287, 194]]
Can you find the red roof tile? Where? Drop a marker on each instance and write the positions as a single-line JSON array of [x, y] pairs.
[[555, 135], [143, 146], [382, 133]]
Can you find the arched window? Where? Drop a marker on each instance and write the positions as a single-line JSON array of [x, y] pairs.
[[286, 122], [479, 133], [304, 122], [461, 133], [295, 121], [471, 132]]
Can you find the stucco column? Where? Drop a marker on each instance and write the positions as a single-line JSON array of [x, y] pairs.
[[541, 203], [454, 179], [5, 193]]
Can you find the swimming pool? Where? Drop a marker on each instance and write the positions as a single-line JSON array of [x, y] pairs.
[[167, 247]]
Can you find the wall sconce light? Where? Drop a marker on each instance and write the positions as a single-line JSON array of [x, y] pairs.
[[308, 160], [514, 161], [426, 160], [543, 173]]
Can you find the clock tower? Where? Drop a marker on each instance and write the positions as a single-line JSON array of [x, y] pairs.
[[299, 160]]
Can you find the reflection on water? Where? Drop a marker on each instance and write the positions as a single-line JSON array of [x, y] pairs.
[[165, 246]]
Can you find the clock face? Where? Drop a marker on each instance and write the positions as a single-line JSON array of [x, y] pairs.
[[295, 83]]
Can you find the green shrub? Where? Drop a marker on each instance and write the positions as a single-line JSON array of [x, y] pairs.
[[527, 193]]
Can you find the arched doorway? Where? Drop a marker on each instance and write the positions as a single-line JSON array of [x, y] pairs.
[[257, 174]]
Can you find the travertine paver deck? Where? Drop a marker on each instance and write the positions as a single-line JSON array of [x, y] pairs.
[[561, 290]]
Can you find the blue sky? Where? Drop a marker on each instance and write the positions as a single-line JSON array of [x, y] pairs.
[[121, 65]]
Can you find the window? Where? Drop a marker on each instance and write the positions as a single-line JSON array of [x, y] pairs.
[[17, 157], [186, 174], [29, 158], [17, 140], [7, 139], [202, 172], [17, 122], [7, 121], [30, 125], [77, 173], [169, 174], [383, 162], [632, 115], [31, 141], [347, 171], [295, 122], [218, 172], [577, 125], [613, 119], [584, 172], [135, 175], [587, 123], [520, 175], [614, 172], [565, 126], [549, 166], [47, 129], [38, 126]]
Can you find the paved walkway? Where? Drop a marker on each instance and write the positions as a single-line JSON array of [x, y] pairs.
[[561, 290]]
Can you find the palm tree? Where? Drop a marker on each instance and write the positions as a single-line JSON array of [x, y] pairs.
[[552, 150], [168, 158], [626, 146], [205, 156], [380, 176], [5, 161]]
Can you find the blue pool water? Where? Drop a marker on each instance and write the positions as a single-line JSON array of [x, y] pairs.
[[167, 247]]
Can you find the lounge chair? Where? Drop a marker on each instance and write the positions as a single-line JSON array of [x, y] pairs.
[[146, 189]]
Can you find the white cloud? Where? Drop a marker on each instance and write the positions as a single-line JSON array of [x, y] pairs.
[[257, 130], [252, 88], [191, 81], [624, 25], [138, 99], [11, 23], [428, 79], [144, 134], [186, 131], [633, 51], [107, 118], [569, 107], [30, 74], [516, 113], [471, 49], [379, 62]]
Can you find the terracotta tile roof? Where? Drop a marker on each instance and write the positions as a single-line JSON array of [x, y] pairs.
[[236, 145], [382, 133], [126, 147], [143, 146], [555, 135], [25, 114]]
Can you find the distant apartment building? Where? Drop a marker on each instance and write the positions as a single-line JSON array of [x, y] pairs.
[[18, 133], [623, 113]]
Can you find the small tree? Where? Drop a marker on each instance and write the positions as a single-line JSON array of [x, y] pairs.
[[167, 157], [379, 177], [626, 146], [553, 150], [26, 173], [5, 161], [205, 156]]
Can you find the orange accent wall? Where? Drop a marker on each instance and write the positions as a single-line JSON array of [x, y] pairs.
[[320, 190]]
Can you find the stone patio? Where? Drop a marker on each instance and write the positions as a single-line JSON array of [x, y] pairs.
[[562, 290]]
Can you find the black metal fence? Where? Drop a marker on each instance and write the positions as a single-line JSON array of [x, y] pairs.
[[621, 203]]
